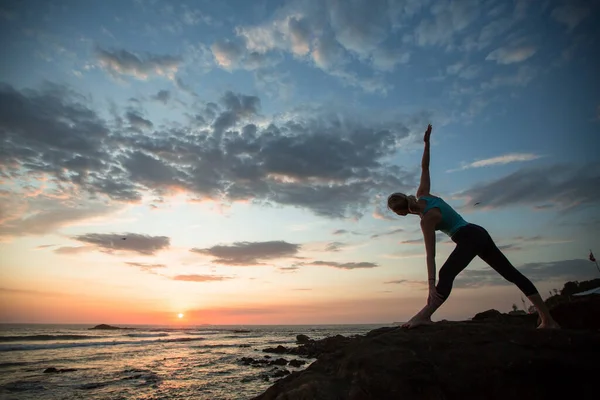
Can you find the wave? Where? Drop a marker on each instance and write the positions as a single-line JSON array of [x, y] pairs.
[[49, 346], [141, 335], [32, 338]]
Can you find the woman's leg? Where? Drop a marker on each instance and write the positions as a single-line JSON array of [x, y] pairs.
[[494, 257], [458, 260]]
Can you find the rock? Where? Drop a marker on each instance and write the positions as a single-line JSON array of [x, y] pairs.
[[451, 360], [107, 327], [303, 339], [279, 361], [279, 373], [580, 313], [517, 312], [278, 350], [296, 363], [53, 370], [489, 314]]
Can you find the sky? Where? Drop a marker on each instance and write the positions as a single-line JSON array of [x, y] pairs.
[[230, 161]]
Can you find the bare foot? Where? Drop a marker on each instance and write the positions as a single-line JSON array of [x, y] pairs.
[[417, 321], [549, 325]]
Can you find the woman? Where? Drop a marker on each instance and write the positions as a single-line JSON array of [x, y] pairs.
[[471, 240]]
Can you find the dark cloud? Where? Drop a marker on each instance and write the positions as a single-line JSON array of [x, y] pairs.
[[130, 242], [123, 62], [406, 282], [330, 163], [250, 253], [290, 269], [563, 270], [138, 122], [52, 131], [558, 185], [146, 267], [348, 265], [199, 278], [163, 96]]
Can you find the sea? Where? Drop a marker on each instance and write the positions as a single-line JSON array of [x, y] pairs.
[[149, 361]]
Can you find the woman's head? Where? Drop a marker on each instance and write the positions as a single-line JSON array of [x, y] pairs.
[[402, 204]]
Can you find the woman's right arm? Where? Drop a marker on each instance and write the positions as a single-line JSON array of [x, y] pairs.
[[425, 185]]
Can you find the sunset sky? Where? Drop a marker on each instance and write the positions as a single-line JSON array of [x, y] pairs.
[[230, 160]]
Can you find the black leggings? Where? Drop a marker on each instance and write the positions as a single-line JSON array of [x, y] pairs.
[[473, 240]]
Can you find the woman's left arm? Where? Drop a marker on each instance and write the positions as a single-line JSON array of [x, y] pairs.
[[428, 224]]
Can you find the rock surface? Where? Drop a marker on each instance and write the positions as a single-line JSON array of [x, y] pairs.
[[494, 356]]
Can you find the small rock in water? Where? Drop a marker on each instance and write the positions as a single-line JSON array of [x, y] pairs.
[[297, 363], [50, 370], [302, 339], [278, 350]]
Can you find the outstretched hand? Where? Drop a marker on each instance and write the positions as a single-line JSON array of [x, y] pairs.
[[427, 134]]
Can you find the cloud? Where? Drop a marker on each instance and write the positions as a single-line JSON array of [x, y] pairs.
[[30, 292], [439, 237], [131, 242], [499, 160], [335, 246], [386, 59], [199, 278], [122, 62], [73, 249], [519, 242], [163, 96], [348, 265], [511, 54], [562, 270], [250, 253], [45, 214], [360, 25], [137, 122], [407, 282], [523, 76], [570, 15], [228, 53], [448, 19], [392, 232], [68, 142], [146, 267], [563, 185], [331, 163]]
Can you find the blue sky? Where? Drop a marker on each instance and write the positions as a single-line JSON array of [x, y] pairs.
[[246, 149]]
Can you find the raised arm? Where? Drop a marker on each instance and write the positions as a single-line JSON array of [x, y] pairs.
[[425, 185]]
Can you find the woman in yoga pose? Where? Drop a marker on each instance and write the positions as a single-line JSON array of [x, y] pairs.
[[471, 240]]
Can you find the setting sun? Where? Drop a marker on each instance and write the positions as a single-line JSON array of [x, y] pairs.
[[180, 315]]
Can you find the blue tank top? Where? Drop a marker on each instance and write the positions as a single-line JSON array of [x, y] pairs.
[[451, 220]]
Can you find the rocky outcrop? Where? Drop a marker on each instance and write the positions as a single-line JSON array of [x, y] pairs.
[[107, 327], [494, 356]]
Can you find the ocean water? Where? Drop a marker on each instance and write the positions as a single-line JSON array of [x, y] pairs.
[[148, 362]]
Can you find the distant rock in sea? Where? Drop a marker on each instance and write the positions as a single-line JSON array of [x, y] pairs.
[[106, 327]]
